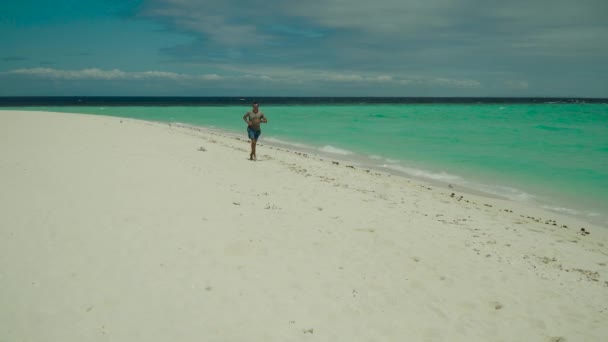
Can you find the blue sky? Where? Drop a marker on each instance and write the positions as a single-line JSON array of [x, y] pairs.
[[304, 48]]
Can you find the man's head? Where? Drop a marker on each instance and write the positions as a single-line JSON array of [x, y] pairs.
[[255, 106]]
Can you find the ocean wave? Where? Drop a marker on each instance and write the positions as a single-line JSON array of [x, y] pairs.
[[440, 176], [286, 143], [444, 177], [335, 150], [561, 210], [502, 191], [570, 211]]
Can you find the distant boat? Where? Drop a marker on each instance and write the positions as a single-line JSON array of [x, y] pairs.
[[242, 99]]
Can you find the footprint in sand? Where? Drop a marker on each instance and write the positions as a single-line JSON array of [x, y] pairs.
[[496, 305]]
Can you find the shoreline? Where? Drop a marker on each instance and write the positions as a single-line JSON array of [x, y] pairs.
[[124, 229], [470, 187], [558, 198], [361, 160]]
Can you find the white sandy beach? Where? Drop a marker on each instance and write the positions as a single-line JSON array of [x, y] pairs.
[[114, 229]]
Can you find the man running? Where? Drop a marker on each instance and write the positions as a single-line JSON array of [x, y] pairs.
[[253, 119]]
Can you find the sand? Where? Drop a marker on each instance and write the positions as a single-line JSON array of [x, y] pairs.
[[115, 229]]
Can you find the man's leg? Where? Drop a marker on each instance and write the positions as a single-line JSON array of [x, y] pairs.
[[252, 154]]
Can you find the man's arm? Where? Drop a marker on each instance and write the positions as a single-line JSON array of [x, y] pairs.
[[263, 119], [246, 119]]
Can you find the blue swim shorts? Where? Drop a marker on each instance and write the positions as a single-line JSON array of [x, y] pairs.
[[253, 134]]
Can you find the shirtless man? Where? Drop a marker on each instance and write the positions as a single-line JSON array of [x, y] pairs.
[[253, 119]]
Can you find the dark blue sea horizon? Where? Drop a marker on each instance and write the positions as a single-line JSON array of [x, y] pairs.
[[33, 101]]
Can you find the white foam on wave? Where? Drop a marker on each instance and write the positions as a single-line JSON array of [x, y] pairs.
[[335, 150], [285, 143], [502, 191], [570, 211], [444, 177], [561, 210], [440, 176], [375, 157]]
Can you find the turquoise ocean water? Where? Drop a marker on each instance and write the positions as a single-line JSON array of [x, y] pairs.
[[551, 155]]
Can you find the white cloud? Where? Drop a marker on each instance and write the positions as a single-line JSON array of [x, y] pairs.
[[384, 34], [219, 21], [114, 74], [343, 78], [451, 45], [211, 77], [230, 22], [395, 79], [70, 74], [403, 17], [155, 74], [267, 74], [384, 78], [446, 82], [253, 77]]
